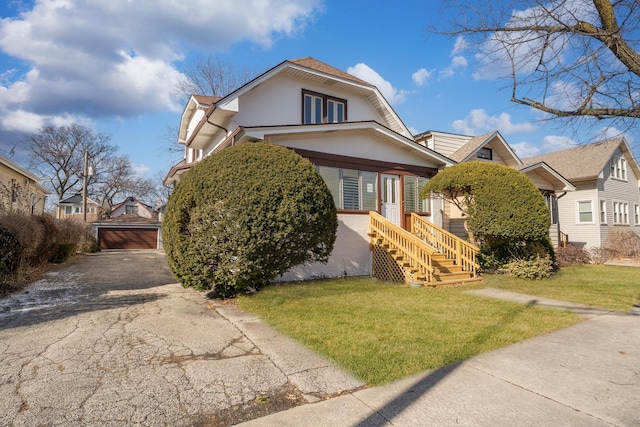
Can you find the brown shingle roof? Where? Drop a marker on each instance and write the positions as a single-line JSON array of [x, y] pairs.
[[583, 162], [314, 64], [129, 219], [468, 148]]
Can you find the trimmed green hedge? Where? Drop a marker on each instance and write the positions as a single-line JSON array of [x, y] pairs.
[[243, 216], [506, 214]]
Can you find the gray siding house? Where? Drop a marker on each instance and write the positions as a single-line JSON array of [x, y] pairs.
[[607, 196]]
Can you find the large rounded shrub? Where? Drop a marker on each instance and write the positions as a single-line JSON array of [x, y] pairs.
[[245, 215], [506, 214]]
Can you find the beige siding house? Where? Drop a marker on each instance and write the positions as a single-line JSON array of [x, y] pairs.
[[492, 147], [71, 208], [133, 206], [607, 199], [20, 190]]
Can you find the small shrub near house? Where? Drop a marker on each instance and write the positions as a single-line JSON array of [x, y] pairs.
[[572, 255], [243, 216], [623, 244], [539, 267]]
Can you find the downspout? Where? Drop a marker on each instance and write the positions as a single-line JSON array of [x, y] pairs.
[[209, 113]]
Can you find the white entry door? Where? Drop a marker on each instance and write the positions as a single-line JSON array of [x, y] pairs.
[[391, 198]]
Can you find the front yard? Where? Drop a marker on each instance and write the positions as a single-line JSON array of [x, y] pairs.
[[381, 332]]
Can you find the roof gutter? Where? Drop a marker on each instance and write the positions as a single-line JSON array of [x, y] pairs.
[[209, 113]]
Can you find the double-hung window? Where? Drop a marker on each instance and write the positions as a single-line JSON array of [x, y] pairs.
[[619, 168], [585, 212], [636, 214], [603, 211], [620, 213], [68, 210], [351, 189], [318, 108], [131, 210], [412, 201]]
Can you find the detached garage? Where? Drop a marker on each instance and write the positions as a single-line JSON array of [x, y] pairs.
[[128, 232]]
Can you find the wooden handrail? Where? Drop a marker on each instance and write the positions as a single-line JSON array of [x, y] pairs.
[[463, 253], [414, 250]]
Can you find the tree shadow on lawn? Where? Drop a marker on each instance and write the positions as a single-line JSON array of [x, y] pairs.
[[397, 406]]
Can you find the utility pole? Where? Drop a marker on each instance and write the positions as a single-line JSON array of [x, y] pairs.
[[85, 172]]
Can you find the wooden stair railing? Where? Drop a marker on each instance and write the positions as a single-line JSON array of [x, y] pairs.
[[461, 252], [429, 255], [411, 253]]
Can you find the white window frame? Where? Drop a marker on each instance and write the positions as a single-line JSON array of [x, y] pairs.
[[68, 210], [619, 168], [603, 211], [578, 219], [620, 212], [78, 209], [636, 214]]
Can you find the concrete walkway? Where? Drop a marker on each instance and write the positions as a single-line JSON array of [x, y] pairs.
[[584, 375]]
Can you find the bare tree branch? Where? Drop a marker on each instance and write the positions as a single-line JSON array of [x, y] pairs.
[[568, 58]]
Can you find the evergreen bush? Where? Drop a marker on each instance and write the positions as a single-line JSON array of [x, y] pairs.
[[243, 216], [506, 214]]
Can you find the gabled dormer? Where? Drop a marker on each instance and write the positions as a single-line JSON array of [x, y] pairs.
[[296, 92]]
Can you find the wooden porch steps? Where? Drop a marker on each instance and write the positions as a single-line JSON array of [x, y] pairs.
[[446, 272]]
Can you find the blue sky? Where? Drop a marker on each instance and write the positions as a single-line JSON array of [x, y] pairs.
[[112, 65]]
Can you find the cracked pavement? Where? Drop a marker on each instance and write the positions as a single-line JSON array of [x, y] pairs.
[[112, 340]]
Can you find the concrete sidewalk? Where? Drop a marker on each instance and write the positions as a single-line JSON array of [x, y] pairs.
[[584, 375]]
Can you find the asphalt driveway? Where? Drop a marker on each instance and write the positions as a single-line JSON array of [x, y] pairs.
[[112, 340]]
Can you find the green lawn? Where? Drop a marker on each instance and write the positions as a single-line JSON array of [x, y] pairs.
[[604, 286], [382, 332]]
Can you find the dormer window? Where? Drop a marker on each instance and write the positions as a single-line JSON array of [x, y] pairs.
[[485, 153], [619, 168], [318, 108]]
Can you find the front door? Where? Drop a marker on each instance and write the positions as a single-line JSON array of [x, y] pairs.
[[390, 206]]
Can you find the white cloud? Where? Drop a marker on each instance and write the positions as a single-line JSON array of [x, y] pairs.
[[525, 149], [457, 62], [525, 48], [612, 132], [364, 72], [140, 170], [459, 46], [118, 57], [478, 122], [551, 143], [421, 76]]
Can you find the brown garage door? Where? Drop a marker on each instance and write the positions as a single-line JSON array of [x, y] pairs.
[[128, 238]]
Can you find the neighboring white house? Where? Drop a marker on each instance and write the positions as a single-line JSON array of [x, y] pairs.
[[343, 125], [492, 147], [606, 176]]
